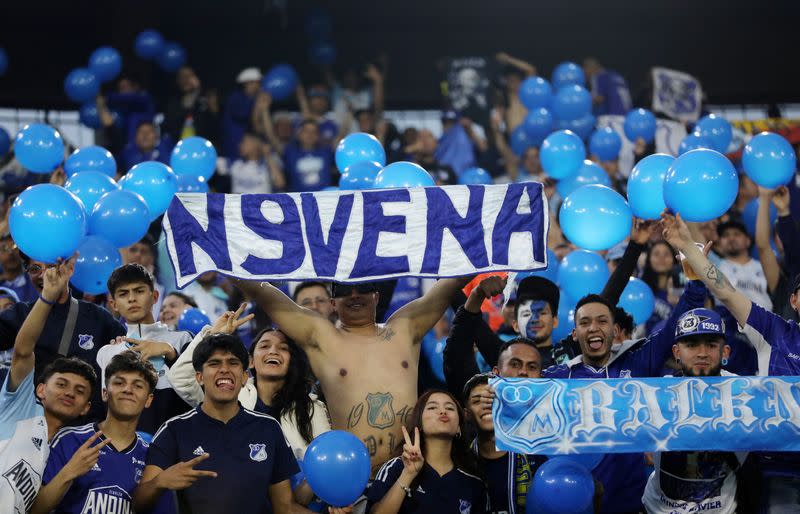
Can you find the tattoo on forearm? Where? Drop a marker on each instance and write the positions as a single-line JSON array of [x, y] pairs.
[[355, 415], [380, 413], [718, 279], [372, 445]]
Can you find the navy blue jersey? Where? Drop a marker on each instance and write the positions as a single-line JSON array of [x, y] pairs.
[[249, 453], [307, 170], [108, 487], [456, 492]]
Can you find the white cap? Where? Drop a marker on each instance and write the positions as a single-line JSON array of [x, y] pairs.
[[248, 75]]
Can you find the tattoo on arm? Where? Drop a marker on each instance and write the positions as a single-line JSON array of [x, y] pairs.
[[718, 279], [355, 415]]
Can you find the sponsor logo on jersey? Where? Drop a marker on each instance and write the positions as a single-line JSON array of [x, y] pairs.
[[110, 499], [24, 480], [199, 451]]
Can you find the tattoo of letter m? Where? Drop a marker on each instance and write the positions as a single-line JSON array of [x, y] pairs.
[[380, 413]]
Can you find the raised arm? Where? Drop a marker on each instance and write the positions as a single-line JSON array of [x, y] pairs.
[[769, 263], [786, 228], [619, 279], [423, 313], [524, 66], [677, 234], [378, 92]]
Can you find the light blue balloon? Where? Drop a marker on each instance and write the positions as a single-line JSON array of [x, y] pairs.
[[81, 85], [588, 173], [769, 160], [3, 61], [566, 318], [701, 185], [605, 143], [403, 174], [640, 123], [89, 186], [693, 142], [538, 123], [171, 57], [121, 217], [337, 467], [39, 148], [535, 92], [359, 175], [750, 215], [593, 206], [194, 156], [550, 272], [433, 350], [47, 222], [568, 73], [521, 140], [582, 126], [105, 63], [149, 44], [91, 158], [359, 146], [193, 320], [717, 130], [562, 153], [192, 184], [89, 116], [280, 82], [582, 272], [155, 182], [5, 142], [97, 259], [572, 102], [646, 186], [475, 176], [637, 299]]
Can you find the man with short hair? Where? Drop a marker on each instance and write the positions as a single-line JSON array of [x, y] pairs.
[[141, 252], [315, 296], [31, 413], [81, 476], [745, 273], [308, 162], [244, 462]]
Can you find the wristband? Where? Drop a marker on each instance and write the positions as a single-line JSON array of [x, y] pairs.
[[48, 302], [405, 488]]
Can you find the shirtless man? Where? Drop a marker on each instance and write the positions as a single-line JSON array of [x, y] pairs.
[[368, 371]]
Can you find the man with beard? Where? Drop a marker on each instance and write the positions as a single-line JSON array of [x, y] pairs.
[[696, 481]]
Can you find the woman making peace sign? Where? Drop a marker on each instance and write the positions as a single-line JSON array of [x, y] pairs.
[[435, 471]]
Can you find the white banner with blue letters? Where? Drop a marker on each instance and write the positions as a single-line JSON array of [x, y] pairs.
[[546, 416], [359, 235]]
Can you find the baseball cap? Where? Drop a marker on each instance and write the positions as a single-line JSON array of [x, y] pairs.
[[698, 322], [248, 75], [5, 292], [722, 227], [342, 289], [538, 288]]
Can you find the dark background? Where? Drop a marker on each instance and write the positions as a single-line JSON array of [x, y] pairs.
[[743, 52]]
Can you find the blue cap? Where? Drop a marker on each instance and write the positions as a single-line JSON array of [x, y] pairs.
[[699, 321]]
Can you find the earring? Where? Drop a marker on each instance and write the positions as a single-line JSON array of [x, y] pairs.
[[724, 361]]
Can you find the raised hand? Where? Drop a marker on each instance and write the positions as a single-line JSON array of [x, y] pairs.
[[56, 279], [780, 197], [182, 475], [412, 453], [150, 349], [230, 321], [675, 230], [642, 230], [492, 286], [84, 458]]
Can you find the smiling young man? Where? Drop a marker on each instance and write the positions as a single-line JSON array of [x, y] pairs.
[[174, 304]]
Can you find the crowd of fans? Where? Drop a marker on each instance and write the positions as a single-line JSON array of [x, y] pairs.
[[313, 356]]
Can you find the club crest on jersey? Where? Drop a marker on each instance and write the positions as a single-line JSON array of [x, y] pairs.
[[464, 507], [86, 341], [258, 452]]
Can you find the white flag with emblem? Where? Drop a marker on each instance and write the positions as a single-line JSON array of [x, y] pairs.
[[676, 94]]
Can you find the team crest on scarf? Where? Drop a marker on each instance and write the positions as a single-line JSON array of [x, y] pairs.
[[86, 341], [464, 507], [258, 452]]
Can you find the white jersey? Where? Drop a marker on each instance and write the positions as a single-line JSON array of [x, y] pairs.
[[23, 446], [749, 279]]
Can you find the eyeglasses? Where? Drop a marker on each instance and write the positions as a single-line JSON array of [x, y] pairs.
[[35, 269], [342, 290]]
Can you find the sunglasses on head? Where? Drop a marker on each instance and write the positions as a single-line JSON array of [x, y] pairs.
[[341, 290]]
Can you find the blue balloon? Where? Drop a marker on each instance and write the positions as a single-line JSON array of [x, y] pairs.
[[646, 186], [587, 460], [97, 259], [155, 182], [475, 176], [769, 160], [521, 140], [640, 123], [194, 156], [359, 146], [193, 320], [337, 467], [89, 186], [81, 85], [717, 130], [693, 142], [171, 57], [538, 123], [605, 143], [39, 148], [583, 126], [89, 116], [582, 272], [433, 350], [359, 175], [562, 153], [560, 486], [637, 299], [149, 44], [572, 102], [535, 92], [47, 222], [701, 185], [3, 61], [5, 142], [280, 82], [566, 318], [105, 63], [750, 214], [403, 174], [550, 272], [566, 74], [298, 478], [588, 173], [322, 53], [121, 217], [91, 158], [593, 206], [192, 184]]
